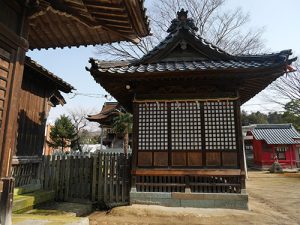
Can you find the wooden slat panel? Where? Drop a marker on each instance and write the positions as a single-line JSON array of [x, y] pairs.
[[179, 158], [145, 159], [213, 159], [160, 159], [229, 158], [195, 158]]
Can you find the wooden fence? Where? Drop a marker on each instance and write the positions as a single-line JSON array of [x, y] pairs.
[[102, 178], [25, 169]]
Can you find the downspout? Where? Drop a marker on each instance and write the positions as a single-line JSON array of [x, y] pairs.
[[245, 161], [291, 158]]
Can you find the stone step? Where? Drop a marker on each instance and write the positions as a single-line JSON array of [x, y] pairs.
[[27, 201], [53, 219], [60, 213], [27, 189]]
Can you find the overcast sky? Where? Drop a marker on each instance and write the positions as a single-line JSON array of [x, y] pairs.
[[280, 18]]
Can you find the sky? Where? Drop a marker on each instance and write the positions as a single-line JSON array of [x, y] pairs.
[[280, 19]]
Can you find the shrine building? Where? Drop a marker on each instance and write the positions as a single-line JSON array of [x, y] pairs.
[[185, 96]]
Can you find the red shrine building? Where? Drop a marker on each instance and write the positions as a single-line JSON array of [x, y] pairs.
[[185, 96], [271, 141]]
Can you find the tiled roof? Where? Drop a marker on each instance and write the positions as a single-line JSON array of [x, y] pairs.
[[186, 66], [62, 85], [276, 133], [171, 38], [108, 109]]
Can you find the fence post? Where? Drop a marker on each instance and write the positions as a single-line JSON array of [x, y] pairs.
[[100, 177], [67, 178], [94, 175]]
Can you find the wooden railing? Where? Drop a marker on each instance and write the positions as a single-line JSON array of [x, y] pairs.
[[25, 169], [199, 181], [197, 184]]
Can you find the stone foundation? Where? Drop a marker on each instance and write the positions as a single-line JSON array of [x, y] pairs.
[[196, 200]]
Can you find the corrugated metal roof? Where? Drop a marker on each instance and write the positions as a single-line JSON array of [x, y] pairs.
[[276, 133]]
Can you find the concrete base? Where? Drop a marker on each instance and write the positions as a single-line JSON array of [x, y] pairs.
[[196, 200]]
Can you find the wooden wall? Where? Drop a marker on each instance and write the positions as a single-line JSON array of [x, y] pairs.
[[187, 134], [33, 111]]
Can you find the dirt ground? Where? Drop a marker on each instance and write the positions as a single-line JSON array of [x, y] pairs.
[[273, 199]]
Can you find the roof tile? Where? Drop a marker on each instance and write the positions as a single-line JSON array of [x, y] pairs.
[[276, 133]]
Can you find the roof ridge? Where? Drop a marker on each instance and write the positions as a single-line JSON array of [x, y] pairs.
[[274, 126], [30, 62]]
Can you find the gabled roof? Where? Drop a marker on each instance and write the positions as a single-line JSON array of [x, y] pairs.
[[183, 55], [62, 23], [46, 74], [276, 133]]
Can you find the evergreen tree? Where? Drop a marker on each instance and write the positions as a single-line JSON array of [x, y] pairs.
[[63, 133], [275, 118], [123, 126]]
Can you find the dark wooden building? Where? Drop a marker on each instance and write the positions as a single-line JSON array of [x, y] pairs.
[[185, 96], [40, 24], [40, 91]]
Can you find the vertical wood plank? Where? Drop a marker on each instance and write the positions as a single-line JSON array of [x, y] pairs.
[[81, 177], [71, 180], [100, 178], [88, 178], [42, 172], [117, 176], [75, 177], [67, 178], [105, 198], [62, 185], [56, 183], [46, 172], [111, 177], [94, 176], [124, 165], [52, 175]]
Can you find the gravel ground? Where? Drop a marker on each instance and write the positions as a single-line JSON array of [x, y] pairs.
[[273, 199]]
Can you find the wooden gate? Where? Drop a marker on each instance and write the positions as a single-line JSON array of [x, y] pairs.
[[102, 178]]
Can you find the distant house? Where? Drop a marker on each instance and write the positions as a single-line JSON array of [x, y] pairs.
[[274, 140], [105, 118]]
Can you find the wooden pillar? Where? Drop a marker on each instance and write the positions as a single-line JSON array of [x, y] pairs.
[[6, 200], [240, 143], [13, 46], [135, 135]]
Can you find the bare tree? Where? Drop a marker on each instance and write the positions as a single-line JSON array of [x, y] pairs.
[[224, 28], [78, 117], [287, 87]]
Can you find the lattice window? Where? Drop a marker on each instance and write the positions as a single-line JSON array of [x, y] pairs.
[[185, 126], [153, 127], [219, 125]]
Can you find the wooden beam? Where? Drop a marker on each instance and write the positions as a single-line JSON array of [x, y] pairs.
[[118, 18], [110, 9], [184, 172]]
